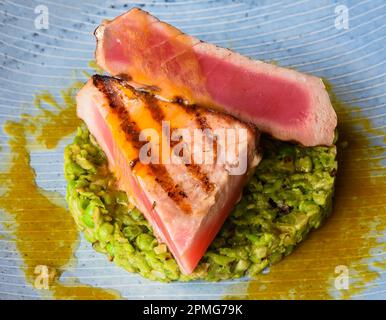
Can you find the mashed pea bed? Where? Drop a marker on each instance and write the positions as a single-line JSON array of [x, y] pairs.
[[289, 195]]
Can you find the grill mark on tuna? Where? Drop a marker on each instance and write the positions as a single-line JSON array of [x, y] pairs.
[[151, 103], [173, 143], [194, 170], [107, 86], [203, 124], [172, 189]]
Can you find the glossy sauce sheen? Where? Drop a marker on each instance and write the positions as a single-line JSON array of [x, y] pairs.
[[349, 237], [152, 113], [44, 231]]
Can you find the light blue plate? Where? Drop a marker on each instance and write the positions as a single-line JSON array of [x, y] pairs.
[[307, 35]]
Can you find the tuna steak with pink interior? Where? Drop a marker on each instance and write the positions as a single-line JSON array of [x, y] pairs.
[[186, 203], [284, 103]]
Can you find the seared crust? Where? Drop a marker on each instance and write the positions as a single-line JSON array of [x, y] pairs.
[[185, 204], [107, 86]]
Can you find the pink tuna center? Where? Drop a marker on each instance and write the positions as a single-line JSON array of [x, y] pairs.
[[113, 49], [255, 95]]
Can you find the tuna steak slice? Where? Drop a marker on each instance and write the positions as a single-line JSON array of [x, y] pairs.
[[284, 103], [186, 203]]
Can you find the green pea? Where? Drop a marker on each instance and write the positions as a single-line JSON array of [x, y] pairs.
[[145, 241], [110, 249], [121, 198], [319, 197], [242, 265], [271, 188], [161, 248], [220, 259], [83, 202], [136, 214], [252, 237], [107, 199], [308, 207], [171, 269], [84, 163], [258, 267], [128, 248], [91, 213], [142, 265], [132, 231], [87, 220], [72, 168], [105, 231], [259, 252], [304, 164]]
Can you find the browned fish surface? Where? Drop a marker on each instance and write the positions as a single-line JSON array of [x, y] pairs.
[[184, 193]]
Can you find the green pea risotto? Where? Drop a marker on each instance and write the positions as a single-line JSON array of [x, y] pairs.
[[289, 194]]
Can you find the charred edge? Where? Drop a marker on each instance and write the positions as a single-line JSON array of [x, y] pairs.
[[98, 31], [194, 169], [151, 103], [203, 124], [196, 172], [173, 190], [150, 89], [125, 77], [107, 86], [201, 121]]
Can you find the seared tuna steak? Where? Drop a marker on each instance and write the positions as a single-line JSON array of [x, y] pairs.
[[186, 203], [284, 103]]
